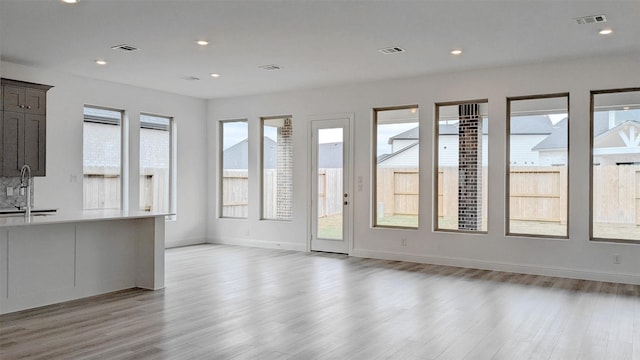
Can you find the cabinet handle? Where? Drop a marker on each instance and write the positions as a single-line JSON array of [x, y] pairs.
[[21, 106], [29, 107]]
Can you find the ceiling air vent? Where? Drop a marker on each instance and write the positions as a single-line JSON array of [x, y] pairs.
[[391, 50], [191, 78], [125, 47], [592, 19], [270, 67]]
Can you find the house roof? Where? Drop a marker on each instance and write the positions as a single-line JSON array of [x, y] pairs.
[[531, 125], [236, 156], [610, 138], [385, 157], [557, 139], [411, 134]]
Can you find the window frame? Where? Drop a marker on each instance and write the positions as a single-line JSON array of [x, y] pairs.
[[124, 151], [436, 166], [374, 167], [172, 161], [508, 163], [220, 191], [592, 95], [262, 154]]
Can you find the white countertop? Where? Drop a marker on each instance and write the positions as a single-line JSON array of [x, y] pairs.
[[75, 216]]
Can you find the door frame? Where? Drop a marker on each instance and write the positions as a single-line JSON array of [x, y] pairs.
[[348, 174]]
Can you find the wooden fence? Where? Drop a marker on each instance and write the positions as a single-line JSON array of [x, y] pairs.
[[235, 193], [102, 191], [536, 193], [329, 192], [617, 194], [235, 196]]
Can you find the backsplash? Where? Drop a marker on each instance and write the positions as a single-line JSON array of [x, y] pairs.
[[15, 200]]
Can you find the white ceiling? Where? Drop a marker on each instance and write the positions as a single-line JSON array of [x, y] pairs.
[[317, 43]]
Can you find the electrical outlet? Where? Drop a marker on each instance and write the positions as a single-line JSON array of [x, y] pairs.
[[9, 191], [404, 242], [617, 259]]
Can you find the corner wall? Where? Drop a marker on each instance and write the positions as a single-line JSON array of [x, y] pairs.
[[62, 187], [576, 257]]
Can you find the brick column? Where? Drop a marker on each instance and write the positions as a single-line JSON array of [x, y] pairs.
[[284, 181], [470, 168]]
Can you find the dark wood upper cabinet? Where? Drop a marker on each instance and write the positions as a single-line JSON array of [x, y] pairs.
[[23, 127]]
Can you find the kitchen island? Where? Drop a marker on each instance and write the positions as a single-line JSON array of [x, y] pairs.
[[47, 259]]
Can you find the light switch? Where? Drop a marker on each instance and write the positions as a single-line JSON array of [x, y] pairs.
[[9, 191]]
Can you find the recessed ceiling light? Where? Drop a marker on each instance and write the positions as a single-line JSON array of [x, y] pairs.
[[605, 31], [456, 52], [101, 62], [70, 1], [202, 42], [214, 75]]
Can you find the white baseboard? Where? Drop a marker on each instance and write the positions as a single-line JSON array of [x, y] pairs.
[[260, 243], [581, 274]]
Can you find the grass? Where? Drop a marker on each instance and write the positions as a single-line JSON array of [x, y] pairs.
[[330, 227], [410, 221]]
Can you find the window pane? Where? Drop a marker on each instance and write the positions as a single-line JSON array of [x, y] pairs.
[[277, 172], [102, 158], [235, 163], [330, 180], [397, 168], [462, 167], [538, 159], [155, 162], [616, 165]]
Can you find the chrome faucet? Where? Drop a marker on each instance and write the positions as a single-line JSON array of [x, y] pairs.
[[25, 184]]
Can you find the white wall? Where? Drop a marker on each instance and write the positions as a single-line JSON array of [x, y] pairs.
[[62, 187], [575, 257]]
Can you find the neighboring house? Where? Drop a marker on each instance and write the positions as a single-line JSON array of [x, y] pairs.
[[616, 139], [236, 156], [552, 149], [526, 132]]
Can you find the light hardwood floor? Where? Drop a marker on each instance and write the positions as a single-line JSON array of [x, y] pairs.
[[227, 302]]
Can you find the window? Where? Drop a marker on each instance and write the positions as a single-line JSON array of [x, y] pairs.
[[155, 163], [397, 177], [234, 189], [615, 162], [461, 172], [102, 159], [277, 168], [538, 133]]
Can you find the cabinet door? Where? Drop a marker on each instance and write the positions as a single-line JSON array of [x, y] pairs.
[[13, 98], [34, 144], [12, 138], [35, 101], [1, 97]]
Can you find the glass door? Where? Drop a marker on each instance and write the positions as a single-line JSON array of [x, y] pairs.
[[330, 159]]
